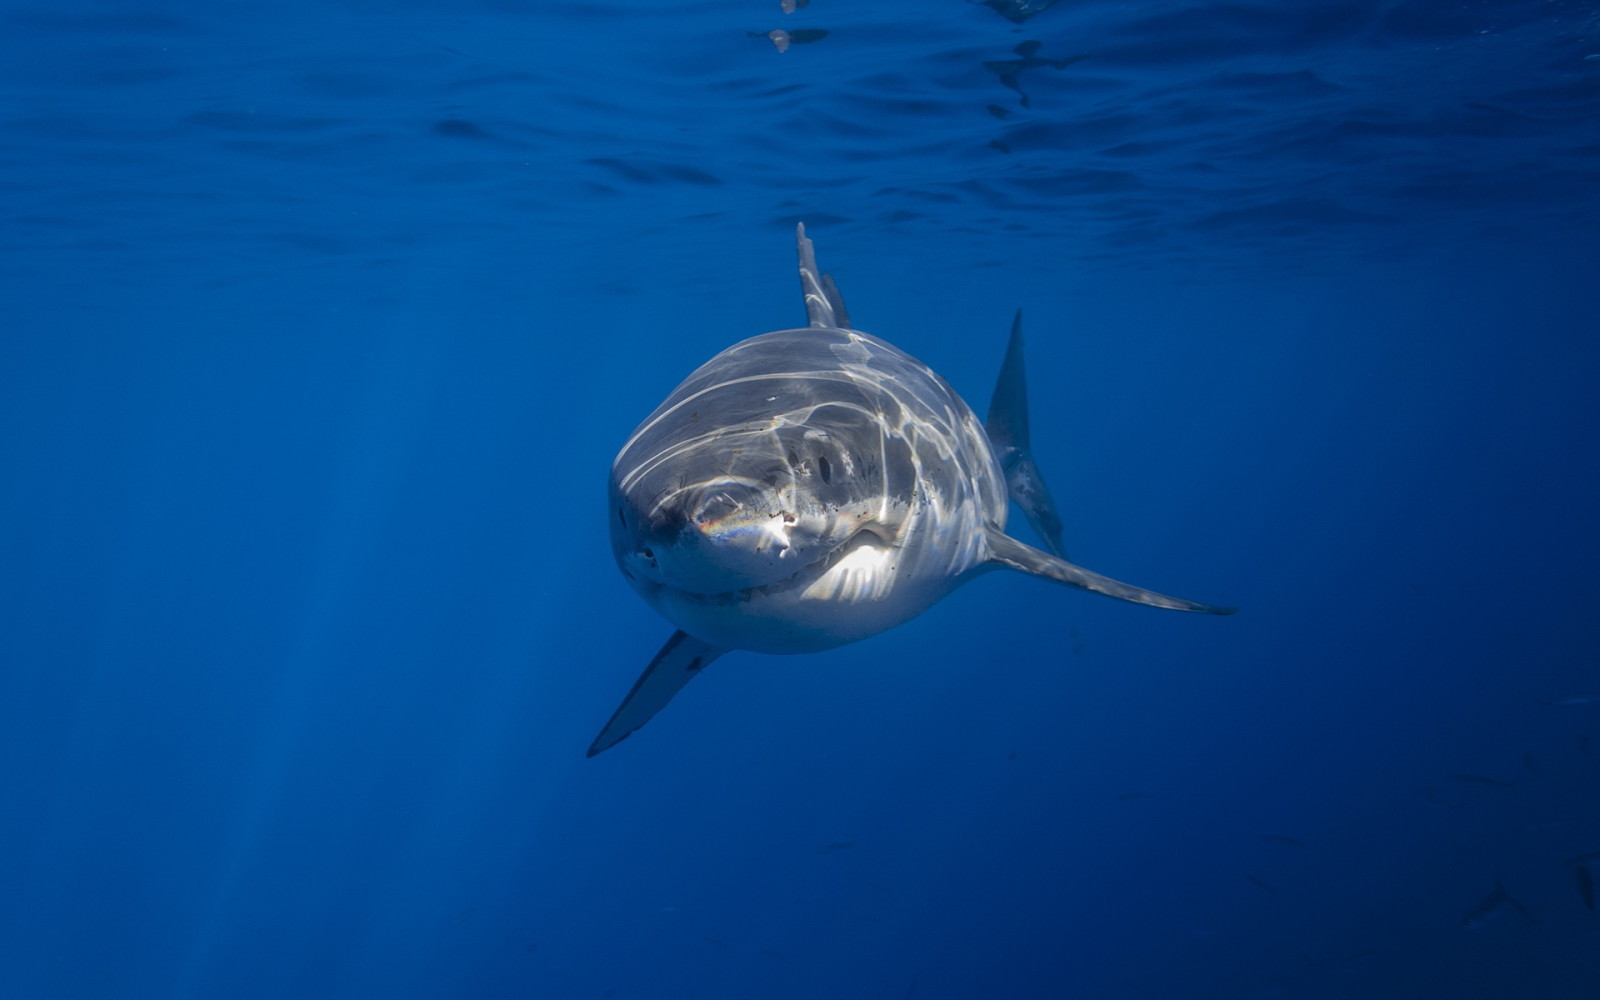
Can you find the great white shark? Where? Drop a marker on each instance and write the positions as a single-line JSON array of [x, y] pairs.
[[809, 488]]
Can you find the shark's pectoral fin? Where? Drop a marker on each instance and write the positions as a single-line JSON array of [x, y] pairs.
[[1007, 425], [1012, 554], [680, 659]]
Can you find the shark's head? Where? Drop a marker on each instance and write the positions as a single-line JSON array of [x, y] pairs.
[[722, 532], [770, 465]]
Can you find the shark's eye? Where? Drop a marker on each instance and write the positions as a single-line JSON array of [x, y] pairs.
[[824, 469]]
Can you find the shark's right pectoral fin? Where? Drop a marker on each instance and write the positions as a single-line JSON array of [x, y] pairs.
[[680, 659], [1012, 554]]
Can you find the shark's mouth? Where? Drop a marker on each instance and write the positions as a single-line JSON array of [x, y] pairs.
[[852, 558]]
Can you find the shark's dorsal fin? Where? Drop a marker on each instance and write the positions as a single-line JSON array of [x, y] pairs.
[[1007, 425], [824, 304], [675, 665], [1008, 552]]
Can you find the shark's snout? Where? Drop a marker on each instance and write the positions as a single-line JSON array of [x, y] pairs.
[[735, 536], [743, 517], [716, 539]]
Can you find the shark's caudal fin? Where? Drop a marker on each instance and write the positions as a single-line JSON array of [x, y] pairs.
[[824, 304], [1008, 552], [1007, 425], [680, 659]]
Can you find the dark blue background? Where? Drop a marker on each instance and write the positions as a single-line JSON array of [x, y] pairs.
[[320, 324]]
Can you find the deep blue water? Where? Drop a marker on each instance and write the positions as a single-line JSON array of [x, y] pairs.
[[321, 323]]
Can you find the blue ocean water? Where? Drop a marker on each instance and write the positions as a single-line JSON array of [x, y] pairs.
[[321, 323]]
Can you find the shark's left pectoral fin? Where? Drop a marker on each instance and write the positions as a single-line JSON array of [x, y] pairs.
[[675, 665], [1012, 554]]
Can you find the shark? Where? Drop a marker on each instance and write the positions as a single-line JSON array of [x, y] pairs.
[[812, 487]]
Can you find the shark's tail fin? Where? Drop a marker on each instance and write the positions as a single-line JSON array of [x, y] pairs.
[[824, 304], [1007, 425]]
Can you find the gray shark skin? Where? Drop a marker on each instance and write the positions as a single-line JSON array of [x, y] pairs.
[[813, 487]]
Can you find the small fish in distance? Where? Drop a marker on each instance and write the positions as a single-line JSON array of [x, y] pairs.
[[1585, 883], [1497, 901], [1573, 700], [1482, 780]]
